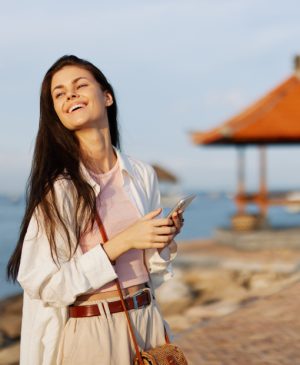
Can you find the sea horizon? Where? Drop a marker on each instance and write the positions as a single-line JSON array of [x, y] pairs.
[[208, 211]]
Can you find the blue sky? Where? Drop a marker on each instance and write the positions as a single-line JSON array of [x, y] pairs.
[[176, 66]]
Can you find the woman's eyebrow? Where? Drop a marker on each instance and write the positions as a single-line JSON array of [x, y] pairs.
[[73, 82]]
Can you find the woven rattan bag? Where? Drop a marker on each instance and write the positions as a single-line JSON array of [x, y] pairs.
[[167, 354]]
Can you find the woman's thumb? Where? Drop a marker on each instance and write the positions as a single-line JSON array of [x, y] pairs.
[[153, 213]]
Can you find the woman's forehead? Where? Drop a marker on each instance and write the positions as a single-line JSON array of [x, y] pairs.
[[68, 74]]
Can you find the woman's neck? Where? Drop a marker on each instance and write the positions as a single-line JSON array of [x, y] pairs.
[[97, 151]]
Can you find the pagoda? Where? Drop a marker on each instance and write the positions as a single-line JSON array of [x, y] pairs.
[[273, 120]]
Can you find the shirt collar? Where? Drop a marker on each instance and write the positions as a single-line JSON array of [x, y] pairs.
[[124, 164]]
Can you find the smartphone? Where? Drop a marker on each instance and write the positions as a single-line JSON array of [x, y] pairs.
[[182, 204]]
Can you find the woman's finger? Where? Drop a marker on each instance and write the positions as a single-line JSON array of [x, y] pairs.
[[176, 220], [157, 245], [165, 230], [162, 222], [163, 238]]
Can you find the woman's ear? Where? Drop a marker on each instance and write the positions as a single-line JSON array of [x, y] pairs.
[[108, 98]]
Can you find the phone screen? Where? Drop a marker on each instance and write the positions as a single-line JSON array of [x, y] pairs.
[[182, 204]]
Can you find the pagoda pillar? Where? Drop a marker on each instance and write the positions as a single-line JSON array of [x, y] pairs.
[[241, 189], [263, 192]]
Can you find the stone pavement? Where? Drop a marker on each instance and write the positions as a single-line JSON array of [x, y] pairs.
[[211, 254], [263, 332]]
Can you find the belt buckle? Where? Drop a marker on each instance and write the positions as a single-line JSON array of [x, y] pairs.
[[135, 295], [134, 298]]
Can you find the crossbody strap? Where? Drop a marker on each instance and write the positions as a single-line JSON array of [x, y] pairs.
[[117, 282]]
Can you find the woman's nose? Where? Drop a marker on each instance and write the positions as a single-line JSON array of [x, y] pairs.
[[71, 95]]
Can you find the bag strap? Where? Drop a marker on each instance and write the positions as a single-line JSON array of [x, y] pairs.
[[117, 282]]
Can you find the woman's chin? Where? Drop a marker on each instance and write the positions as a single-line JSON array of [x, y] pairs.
[[79, 123]]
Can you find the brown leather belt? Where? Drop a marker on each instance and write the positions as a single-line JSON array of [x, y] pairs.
[[133, 302]]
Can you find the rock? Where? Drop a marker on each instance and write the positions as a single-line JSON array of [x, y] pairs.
[[174, 296], [10, 325], [2, 339], [10, 355], [209, 280], [262, 280], [242, 278], [200, 312], [10, 319], [178, 322], [233, 294], [209, 286], [12, 304]]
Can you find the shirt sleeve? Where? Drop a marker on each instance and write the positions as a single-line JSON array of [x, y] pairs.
[[159, 262], [59, 285]]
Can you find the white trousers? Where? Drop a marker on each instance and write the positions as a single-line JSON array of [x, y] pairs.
[[106, 339]]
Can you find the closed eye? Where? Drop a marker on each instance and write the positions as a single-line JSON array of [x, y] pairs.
[[81, 85], [58, 95]]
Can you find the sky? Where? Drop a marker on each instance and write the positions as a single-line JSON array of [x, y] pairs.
[[176, 67]]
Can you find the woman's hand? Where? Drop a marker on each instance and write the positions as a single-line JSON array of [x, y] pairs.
[[147, 232], [150, 232], [178, 220]]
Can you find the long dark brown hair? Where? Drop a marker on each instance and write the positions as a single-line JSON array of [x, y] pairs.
[[57, 152]]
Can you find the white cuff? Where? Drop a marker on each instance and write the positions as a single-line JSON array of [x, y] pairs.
[[97, 267], [165, 253]]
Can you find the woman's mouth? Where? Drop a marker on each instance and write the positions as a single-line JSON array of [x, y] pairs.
[[76, 106]]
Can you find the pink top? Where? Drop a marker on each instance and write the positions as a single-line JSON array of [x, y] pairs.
[[117, 213]]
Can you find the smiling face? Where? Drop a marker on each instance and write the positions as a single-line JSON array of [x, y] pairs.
[[78, 99]]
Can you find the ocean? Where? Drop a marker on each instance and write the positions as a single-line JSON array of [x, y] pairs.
[[207, 211]]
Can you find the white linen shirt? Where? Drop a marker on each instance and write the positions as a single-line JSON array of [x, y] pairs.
[[48, 290]]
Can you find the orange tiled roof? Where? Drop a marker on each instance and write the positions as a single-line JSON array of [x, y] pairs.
[[274, 119]]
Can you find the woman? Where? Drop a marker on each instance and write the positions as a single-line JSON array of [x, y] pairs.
[[61, 260]]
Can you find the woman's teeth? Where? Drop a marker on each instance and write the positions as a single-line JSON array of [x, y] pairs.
[[75, 107]]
